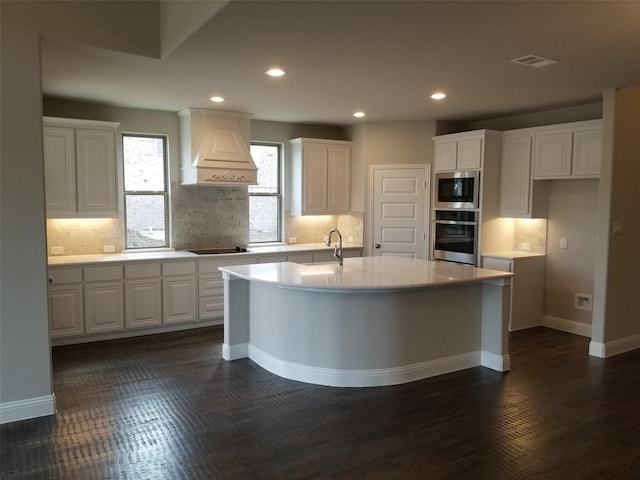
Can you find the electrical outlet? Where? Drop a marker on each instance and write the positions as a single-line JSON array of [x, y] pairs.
[[109, 248], [293, 240], [525, 246], [350, 239], [57, 250], [583, 301]]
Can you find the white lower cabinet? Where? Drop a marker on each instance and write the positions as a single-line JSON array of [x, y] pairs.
[[211, 286], [65, 310], [143, 295], [103, 299], [103, 307], [527, 288], [117, 300], [179, 292]]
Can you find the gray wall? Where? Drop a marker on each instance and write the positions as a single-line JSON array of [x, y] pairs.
[[25, 367], [571, 212], [386, 143], [622, 301]]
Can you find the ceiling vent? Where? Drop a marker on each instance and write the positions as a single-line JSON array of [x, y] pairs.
[[534, 61]]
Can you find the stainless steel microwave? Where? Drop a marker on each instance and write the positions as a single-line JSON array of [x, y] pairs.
[[457, 190]]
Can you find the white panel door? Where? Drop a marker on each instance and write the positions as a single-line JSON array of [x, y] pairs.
[[400, 195]]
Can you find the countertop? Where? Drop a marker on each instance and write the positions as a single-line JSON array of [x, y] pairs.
[[365, 273], [512, 254], [182, 254]]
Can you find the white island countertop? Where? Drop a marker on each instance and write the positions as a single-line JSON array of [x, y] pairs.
[[364, 274]]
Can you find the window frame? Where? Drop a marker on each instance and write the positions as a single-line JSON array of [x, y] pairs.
[[278, 195], [164, 193]]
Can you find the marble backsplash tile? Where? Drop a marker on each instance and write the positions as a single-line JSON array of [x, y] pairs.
[[532, 232], [201, 218], [85, 236], [210, 217]]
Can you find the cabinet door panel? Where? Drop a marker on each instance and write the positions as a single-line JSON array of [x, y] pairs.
[[587, 153], [338, 179], [516, 176], [143, 303], [315, 179], [179, 299], [95, 151], [445, 156], [469, 154], [553, 155], [65, 311], [104, 310], [60, 171]]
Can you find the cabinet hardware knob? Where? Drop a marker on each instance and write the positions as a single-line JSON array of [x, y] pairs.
[[50, 279], [377, 245]]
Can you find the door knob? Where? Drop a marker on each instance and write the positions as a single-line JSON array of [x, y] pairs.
[[377, 245]]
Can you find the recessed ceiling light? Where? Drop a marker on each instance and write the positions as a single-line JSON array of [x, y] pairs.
[[275, 72], [217, 99], [438, 96], [359, 114]]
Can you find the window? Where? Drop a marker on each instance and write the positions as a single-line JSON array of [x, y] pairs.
[[265, 198], [145, 191]]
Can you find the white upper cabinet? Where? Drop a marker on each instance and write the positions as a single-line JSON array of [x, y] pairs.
[[459, 151], [520, 196], [572, 150], [587, 152], [321, 176], [60, 170], [80, 168]]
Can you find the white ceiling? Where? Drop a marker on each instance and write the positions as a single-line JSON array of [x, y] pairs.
[[382, 57]]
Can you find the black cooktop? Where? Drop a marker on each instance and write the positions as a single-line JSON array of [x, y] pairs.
[[214, 251]]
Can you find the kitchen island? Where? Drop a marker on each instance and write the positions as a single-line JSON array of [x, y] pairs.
[[373, 321]]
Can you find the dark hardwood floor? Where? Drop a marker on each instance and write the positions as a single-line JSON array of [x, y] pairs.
[[168, 407]]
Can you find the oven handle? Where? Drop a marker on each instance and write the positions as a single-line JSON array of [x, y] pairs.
[[454, 222]]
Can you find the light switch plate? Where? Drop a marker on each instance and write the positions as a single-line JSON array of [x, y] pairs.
[[563, 242]]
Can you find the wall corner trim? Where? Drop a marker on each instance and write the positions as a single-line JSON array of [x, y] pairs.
[[28, 408], [615, 347]]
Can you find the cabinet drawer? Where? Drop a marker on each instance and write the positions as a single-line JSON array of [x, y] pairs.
[[99, 274], [179, 268], [65, 275], [211, 284], [147, 270], [210, 308]]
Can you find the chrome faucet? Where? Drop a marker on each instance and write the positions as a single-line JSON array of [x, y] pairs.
[[337, 251]]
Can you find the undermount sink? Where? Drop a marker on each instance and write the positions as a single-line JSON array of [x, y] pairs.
[[218, 251]]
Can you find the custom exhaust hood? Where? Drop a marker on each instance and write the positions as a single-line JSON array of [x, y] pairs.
[[215, 148]]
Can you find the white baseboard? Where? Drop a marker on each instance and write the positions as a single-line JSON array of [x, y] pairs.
[[569, 326], [615, 347], [363, 378], [500, 363], [234, 352], [29, 408]]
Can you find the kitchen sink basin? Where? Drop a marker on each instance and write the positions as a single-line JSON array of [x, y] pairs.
[[217, 251]]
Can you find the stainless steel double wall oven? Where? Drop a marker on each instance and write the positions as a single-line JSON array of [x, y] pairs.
[[455, 221]]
